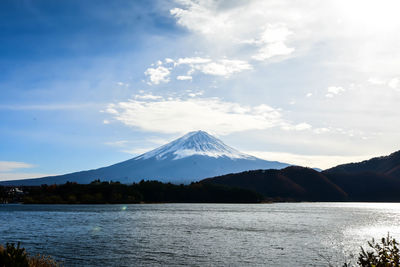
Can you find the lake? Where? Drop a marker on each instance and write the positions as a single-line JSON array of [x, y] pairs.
[[280, 234]]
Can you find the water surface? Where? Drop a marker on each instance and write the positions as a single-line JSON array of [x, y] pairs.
[[282, 234]]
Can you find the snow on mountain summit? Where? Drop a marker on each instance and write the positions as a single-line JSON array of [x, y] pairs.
[[194, 143]]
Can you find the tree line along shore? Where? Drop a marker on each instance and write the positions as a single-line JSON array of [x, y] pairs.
[[98, 192]]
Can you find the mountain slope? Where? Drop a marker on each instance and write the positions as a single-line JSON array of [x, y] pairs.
[[194, 156], [371, 180], [386, 165], [296, 183], [377, 179]]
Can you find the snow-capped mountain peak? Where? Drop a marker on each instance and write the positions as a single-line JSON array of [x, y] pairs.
[[194, 143], [194, 156]]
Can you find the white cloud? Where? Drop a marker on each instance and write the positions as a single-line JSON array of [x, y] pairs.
[[23, 175], [224, 67], [123, 84], [6, 166], [312, 161], [192, 60], [394, 83], [272, 42], [158, 141], [221, 67], [195, 94], [158, 75], [184, 78], [297, 127], [137, 151], [200, 17], [278, 27], [334, 90], [106, 122], [302, 126], [376, 81], [181, 115], [7, 171], [169, 60], [249, 23], [321, 130], [271, 50], [110, 109], [148, 97], [132, 147], [273, 34], [308, 95]]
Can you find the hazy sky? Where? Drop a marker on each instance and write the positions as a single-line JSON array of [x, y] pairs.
[[84, 84]]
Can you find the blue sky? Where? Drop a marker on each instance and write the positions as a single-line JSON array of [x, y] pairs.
[[84, 84]]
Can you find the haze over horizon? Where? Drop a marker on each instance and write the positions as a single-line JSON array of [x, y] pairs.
[[85, 84]]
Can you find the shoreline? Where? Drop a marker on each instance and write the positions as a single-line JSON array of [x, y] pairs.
[[216, 203]]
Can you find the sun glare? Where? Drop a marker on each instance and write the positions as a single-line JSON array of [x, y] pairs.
[[370, 15]]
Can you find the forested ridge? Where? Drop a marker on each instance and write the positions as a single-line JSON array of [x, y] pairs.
[[99, 192]]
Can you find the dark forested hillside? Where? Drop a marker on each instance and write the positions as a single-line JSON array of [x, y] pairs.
[[367, 186], [386, 165], [305, 184], [296, 183]]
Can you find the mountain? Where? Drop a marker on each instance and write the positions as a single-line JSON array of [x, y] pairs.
[[192, 157], [291, 183], [376, 179], [386, 165]]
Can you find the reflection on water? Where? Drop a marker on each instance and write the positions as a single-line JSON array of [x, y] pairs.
[[283, 234]]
